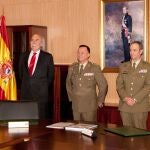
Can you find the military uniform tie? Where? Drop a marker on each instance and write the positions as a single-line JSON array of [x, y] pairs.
[[134, 65], [81, 69]]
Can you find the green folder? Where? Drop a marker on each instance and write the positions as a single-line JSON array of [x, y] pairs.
[[128, 131]]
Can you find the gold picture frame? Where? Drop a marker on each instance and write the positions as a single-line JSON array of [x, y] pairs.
[[103, 3]]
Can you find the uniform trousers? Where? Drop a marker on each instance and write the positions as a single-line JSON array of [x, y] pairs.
[[136, 119], [126, 46], [85, 116]]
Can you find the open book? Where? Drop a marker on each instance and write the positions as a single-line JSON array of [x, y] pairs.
[[60, 125], [80, 126]]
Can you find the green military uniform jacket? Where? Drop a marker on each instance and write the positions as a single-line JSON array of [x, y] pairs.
[[134, 83], [81, 88]]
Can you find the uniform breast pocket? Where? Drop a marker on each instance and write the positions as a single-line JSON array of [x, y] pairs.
[[140, 76], [139, 79], [74, 78], [90, 80]]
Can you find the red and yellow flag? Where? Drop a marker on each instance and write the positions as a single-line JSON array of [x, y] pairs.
[[8, 90]]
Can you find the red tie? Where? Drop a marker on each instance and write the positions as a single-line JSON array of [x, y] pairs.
[[31, 65]]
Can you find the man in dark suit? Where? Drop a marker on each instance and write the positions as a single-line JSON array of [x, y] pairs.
[[82, 79], [133, 86], [36, 70], [126, 33]]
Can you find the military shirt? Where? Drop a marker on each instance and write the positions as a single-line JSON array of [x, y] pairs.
[[81, 88], [134, 83]]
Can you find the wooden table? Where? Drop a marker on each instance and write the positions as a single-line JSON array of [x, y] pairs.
[[41, 138]]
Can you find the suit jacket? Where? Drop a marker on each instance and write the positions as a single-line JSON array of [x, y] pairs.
[[134, 83], [128, 22], [35, 87], [81, 88]]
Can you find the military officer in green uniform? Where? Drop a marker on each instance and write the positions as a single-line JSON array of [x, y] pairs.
[[133, 87], [82, 81]]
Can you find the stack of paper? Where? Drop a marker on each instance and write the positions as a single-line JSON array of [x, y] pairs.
[[80, 126], [60, 125]]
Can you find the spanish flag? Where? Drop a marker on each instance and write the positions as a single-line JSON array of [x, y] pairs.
[[8, 90]]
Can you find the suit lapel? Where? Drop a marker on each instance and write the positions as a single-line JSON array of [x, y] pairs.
[[84, 70], [87, 66], [140, 65], [26, 61], [127, 68], [136, 70], [76, 69]]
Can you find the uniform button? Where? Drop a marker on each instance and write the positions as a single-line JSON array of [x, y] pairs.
[[131, 89], [132, 83], [80, 85], [79, 78]]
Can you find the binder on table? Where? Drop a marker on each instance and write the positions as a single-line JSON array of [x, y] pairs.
[[128, 131]]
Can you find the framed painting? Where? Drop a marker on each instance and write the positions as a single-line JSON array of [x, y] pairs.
[[115, 49]]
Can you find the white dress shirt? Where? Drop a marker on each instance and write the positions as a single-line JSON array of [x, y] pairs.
[[30, 56]]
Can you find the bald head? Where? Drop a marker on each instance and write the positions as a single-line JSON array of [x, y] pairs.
[[36, 42]]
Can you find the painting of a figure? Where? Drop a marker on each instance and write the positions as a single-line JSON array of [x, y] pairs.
[[123, 23]]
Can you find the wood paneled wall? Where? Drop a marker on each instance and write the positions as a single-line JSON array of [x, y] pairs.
[[70, 23], [112, 98]]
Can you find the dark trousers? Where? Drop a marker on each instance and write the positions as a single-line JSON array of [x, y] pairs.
[[126, 47]]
